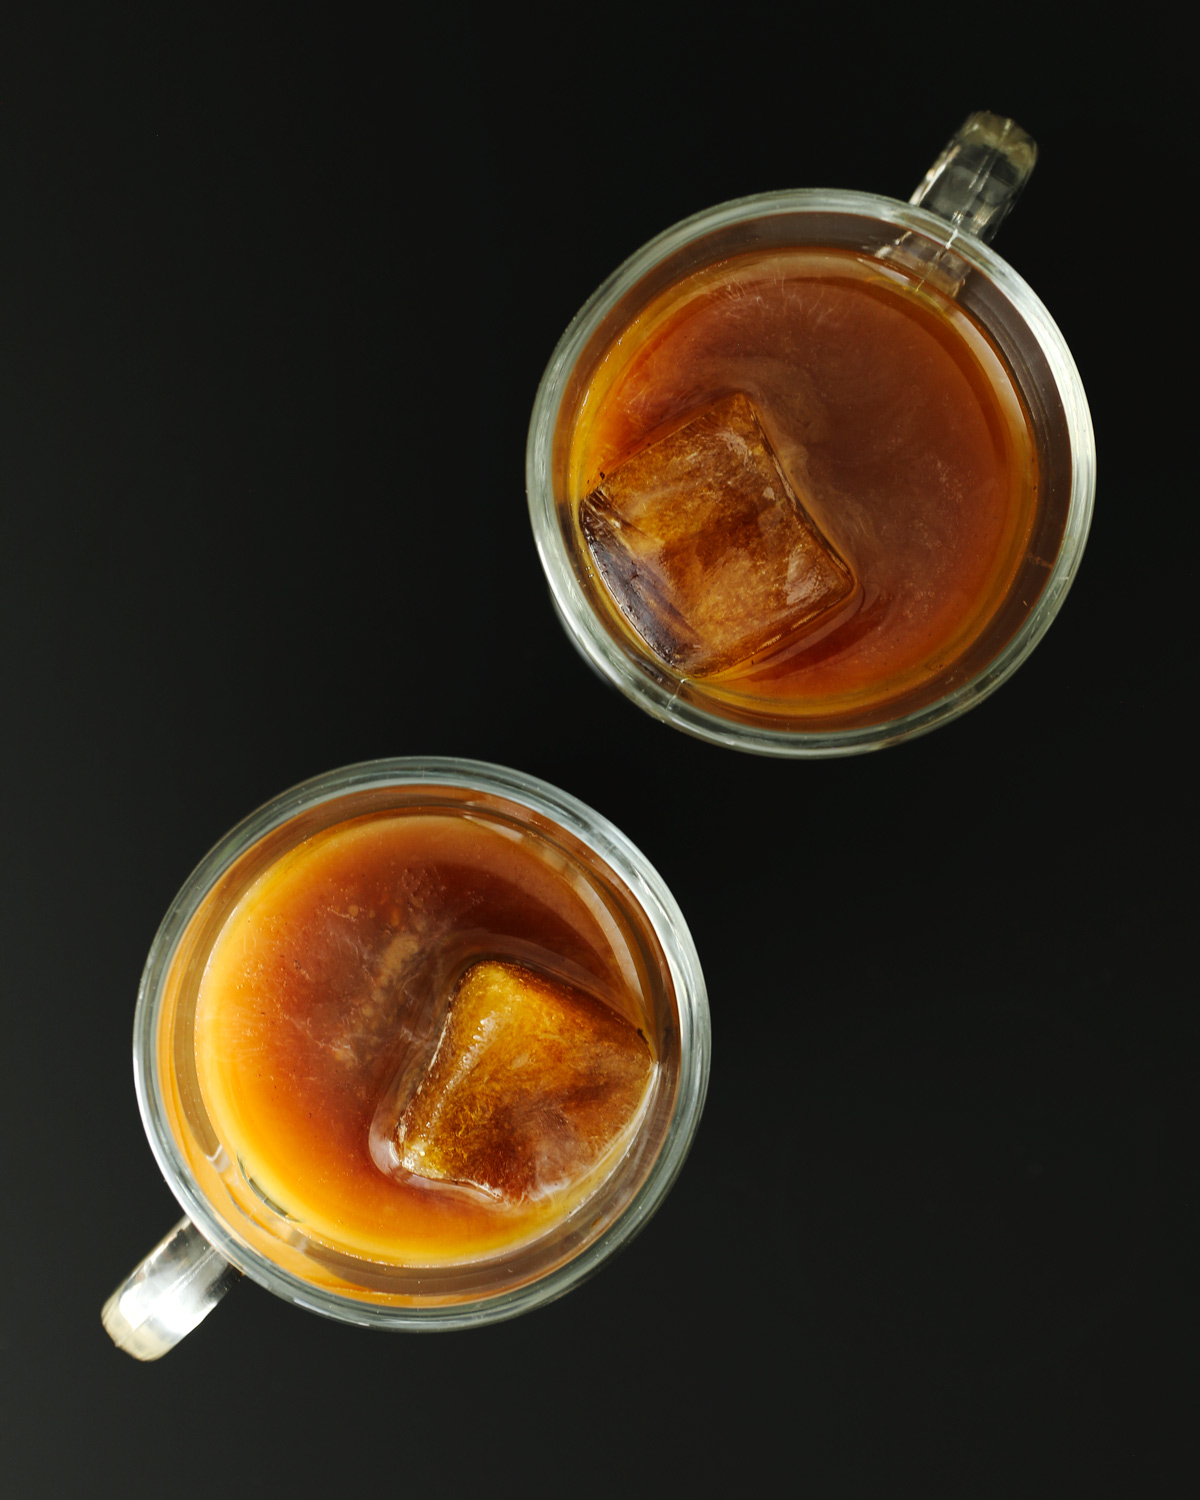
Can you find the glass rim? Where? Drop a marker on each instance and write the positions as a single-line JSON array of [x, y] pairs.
[[598, 647], [605, 840]]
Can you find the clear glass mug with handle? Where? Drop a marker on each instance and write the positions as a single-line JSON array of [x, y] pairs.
[[231, 1228], [936, 247]]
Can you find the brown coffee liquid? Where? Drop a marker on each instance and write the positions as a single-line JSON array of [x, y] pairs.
[[327, 987], [899, 427]]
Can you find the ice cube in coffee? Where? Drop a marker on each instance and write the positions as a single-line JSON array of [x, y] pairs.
[[705, 547], [533, 1084]]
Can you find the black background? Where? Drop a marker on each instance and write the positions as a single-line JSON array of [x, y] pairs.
[[274, 301]]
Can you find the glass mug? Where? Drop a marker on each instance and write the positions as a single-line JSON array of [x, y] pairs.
[[932, 251], [233, 1227]]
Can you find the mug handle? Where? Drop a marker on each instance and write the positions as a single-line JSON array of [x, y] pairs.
[[972, 185], [979, 176], [175, 1288]]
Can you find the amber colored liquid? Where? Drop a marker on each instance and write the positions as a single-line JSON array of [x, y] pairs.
[[899, 427], [326, 989]]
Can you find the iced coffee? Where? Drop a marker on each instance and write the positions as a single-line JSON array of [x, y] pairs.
[[422, 1036], [801, 482], [419, 1044]]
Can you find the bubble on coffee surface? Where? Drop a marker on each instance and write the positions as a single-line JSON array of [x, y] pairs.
[[533, 1083], [705, 548]]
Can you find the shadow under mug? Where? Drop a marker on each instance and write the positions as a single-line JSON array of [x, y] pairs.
[[971, 187], [229, 1231]]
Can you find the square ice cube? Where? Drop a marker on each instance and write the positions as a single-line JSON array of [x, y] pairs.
[[704, 547], [533, 1081]]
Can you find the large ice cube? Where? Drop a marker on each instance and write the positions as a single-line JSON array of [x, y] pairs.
[[704, 547], [531, 1084]]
